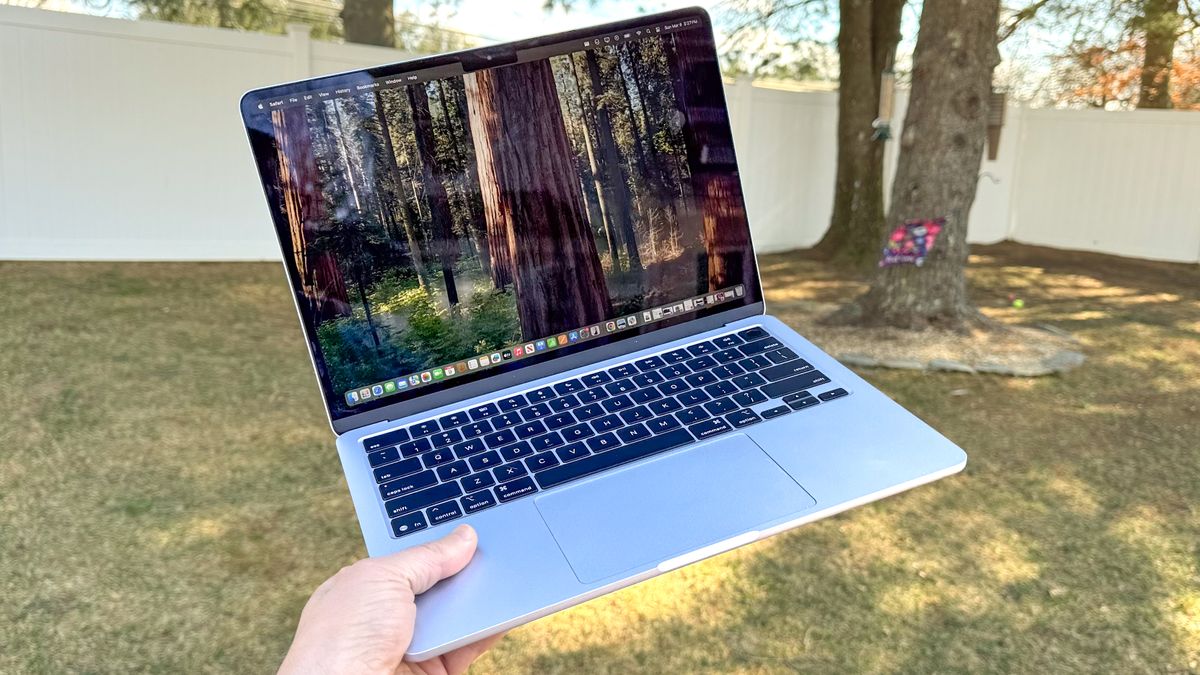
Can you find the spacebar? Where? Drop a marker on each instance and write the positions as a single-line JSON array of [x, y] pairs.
[[625, 453]]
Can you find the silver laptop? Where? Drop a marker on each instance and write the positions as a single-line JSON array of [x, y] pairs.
[[527, 283]]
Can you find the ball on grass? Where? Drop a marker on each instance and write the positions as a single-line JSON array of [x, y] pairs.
[[1018, 303]]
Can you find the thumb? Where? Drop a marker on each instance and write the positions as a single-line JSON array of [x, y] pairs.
[[423, 566]]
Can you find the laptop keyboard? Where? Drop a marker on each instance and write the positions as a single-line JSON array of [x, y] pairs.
[[446, 467]]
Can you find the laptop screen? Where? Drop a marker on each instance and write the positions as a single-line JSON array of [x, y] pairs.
[[444, 221]]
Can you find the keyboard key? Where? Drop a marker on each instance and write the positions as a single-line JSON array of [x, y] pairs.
[[803, 381], [595, 379], [785, 370], [617, 403], [477, 501], [692, 415], [476, 481], [559, 420], [801, 404], [409, 523], [397, 469], [636, 414], [453, 470], [749, 380], [550, 440], [437, 458], [419, 500], [727, 341], [602, 442], [726, 371], [620, 387], [692, 397], [468, 448], [454, 420], [542, 461], [709, 428], [512, 403], [742, 418], [616, 456], [543, 394], [673, 387], [669, 404], [832, 394], [476, 429], [509, 471], [569, 387], [719, 389], [781, 355], [633, 434], [381, 457], [648, 378], [749, 397], [578, 432], [754, 333], [386, 439], [702, 348], [444, 438], [754, 363], [500, 438], [760, 346], [676, 355], [407, 484], [415, 447], [565, 403], [674, 370], [776, 411], [592, 395], [796, 396], [606, 423], [588, 412], [650, 363], [530, 429], [726, 356], [440, 513], [662, 424], [622, 371], [487, 460], [644, 395], [516, 451], [424, 428], [721, 406], [700, 379], [572, 452], [535, 412], [505, 420], [516, 488], [484, 411], [702, 363]]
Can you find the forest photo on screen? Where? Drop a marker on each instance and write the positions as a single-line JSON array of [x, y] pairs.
[[438, 221]]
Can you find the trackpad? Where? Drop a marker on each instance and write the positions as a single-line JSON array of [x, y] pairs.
[[669, 506]]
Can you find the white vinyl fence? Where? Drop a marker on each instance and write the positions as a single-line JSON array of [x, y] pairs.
[[122, 140]]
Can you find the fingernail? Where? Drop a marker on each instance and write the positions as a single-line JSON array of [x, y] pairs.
[[464, 532]]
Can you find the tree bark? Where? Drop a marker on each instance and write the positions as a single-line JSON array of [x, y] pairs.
[[1160, 21], [406, 215], [533, 198], [616, 190], [713, 167], [475, 226], [941, 146], [445, 244], [867, 38], [589, 123], [369, 22]]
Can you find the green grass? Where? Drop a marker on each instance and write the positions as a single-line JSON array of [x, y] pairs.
[[169, 494]]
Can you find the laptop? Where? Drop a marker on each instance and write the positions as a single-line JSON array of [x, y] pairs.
[[526, 278]]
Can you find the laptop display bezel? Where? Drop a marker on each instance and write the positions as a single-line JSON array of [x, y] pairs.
[[587, 353]]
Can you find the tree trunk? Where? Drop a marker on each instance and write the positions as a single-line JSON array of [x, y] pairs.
[[1161, 22], [445, 244], [867, 39], [589, 123], [713, 167], [616, 190], [406, 215], [941, 146], [369, 22], [650, 111], [533, 198], [475, 226]]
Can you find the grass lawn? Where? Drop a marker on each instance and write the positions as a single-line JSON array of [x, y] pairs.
[[169, 493]]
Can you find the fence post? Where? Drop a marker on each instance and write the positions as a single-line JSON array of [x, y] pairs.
[[300, 37]]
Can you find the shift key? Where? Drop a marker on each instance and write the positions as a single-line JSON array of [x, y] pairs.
[[419, 500], [811, 378]]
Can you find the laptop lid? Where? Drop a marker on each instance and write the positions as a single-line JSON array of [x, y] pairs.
[[461, 223]]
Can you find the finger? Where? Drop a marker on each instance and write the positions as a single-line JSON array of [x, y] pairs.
[[423, 566], [460, 659]]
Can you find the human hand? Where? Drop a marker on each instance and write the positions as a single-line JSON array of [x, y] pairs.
[[361, 619]]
